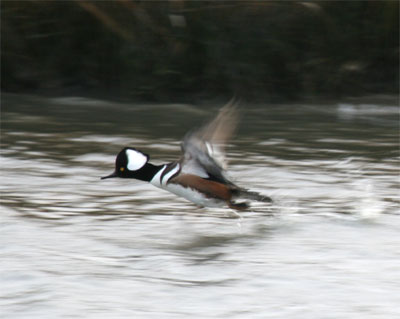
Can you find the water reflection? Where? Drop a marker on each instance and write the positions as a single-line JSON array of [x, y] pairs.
[[73, 245]]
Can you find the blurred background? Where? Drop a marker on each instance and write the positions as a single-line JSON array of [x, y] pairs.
[[318, 84], [191, 50]]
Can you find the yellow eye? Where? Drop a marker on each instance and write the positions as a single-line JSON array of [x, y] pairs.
[[121, 169]]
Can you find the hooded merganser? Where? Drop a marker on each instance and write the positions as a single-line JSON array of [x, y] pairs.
[[199, 175]]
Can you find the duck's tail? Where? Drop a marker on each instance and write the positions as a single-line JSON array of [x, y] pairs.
[[244, 193]]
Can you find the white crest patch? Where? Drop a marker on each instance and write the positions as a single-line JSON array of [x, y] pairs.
[[136, 160]]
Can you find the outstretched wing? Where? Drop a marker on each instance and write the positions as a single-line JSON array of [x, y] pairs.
[[203, 149]]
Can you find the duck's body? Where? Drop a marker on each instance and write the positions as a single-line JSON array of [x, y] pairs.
[[199, 175], [196, 189]]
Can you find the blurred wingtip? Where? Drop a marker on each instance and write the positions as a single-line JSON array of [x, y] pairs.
[[233, 103], [213, 137]]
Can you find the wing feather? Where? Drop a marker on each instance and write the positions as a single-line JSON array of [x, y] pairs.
[[204, 149]]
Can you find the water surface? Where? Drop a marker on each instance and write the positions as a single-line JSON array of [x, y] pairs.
[[75, 246]]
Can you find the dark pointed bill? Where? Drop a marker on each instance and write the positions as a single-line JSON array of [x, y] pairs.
[[109, 176]]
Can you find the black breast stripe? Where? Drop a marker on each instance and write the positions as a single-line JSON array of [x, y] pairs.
[[169, 168]]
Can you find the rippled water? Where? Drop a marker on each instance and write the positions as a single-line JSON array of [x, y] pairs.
[[75, 246]]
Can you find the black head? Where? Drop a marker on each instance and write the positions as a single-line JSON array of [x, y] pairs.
[[130, 163]]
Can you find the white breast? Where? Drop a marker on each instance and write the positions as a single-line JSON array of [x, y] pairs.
[[161, 180], [171, 173], [156, 180]]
